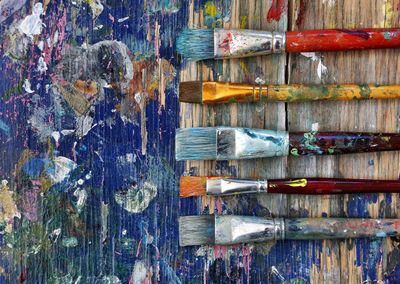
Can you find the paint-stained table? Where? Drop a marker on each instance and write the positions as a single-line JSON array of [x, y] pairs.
[[88, 112]]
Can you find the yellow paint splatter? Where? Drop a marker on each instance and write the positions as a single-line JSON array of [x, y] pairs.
[[388, 12], [8, 209], [210, 9], [243, 22], [297, 183], [243, 66]]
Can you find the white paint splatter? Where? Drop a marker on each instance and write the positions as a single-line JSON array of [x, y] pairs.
[[259, 80], [123, 19], [139, 272], [321, 68], [330, 3], [60, 168], [27, 87], [276, 272], [32, 24], [40, 45], [99, 27], [315, 126], [82, 195], [97, 8], [56, 135], [83, 125], [135, 199], [42, 66]]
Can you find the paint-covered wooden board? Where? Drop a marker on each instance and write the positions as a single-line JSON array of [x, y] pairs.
[[358, 260], [240, 263]]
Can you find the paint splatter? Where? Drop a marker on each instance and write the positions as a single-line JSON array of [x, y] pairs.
[[135, 199], [321, 68], [300, 12], [278, 7], [32, 25], [8, 208], [330, 3], [139, 273]]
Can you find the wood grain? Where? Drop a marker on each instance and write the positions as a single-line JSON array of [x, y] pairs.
[[352, 261], [363, 67]]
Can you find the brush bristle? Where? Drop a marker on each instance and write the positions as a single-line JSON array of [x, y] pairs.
[[196, 44], [191, 92], [198, 143], [193, 186], [196, 230]]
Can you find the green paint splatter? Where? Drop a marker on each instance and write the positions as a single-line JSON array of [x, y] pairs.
[[69, 242], [294, 152], [365, 91], [331, 150]]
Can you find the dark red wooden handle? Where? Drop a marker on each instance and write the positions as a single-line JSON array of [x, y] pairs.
[[341, 39], [327, 143], [332, 186]]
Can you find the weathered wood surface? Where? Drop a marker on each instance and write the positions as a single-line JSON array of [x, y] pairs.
[[350, 261]]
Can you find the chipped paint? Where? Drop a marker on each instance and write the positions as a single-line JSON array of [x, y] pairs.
[[321, 68], [32, 25], [135, 199], [8, 208]]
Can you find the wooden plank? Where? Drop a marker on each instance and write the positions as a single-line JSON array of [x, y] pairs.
[[341, 264], [244, 14]]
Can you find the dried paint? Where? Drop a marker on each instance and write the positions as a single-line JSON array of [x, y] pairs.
[[32, 25], [330, 3], [5, 128], [8, 208], [139, 273], [321, 68], [388, 12], [300, 12], [136, 199], [278, 7]]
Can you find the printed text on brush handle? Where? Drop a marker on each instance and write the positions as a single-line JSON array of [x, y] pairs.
[[328, 143], [331, 186]]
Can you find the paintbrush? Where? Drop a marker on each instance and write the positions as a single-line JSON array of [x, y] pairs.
[[230, 143], [215, 186], [231, 229], [199, 44], [224, 92]]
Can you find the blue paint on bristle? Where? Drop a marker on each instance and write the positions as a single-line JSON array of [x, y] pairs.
[[196, 143], [196, 44]]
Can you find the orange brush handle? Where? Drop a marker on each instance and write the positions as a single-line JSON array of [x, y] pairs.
[[342, 39], [220, 92]]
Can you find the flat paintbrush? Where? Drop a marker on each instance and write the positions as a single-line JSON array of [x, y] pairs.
[[231, 229], [215, 186], [224, 92], [199, 44], [230, 143]]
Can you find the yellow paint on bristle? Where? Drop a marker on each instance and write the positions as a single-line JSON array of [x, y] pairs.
[[210, 9]]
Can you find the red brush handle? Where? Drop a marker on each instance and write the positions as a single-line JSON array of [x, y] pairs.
[[341, 39], [332, 186]]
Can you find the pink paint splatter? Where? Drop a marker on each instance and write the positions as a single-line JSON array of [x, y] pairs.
[[246, 252], [220, 251], [278, 7], [218, 205]]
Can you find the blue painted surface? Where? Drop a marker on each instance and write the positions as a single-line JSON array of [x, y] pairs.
[[114, 244]]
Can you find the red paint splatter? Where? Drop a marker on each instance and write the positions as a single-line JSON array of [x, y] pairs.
[[278, 7], [23, 276], [227, 42], [300, 15]]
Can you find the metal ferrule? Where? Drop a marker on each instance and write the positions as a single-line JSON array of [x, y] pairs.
[[246, 143], [228, 186], [231, 229], [243, 43]]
